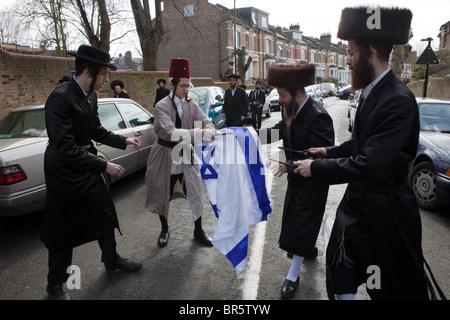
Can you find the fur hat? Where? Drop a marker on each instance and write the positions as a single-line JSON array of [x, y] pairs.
[[291, 76], [161, 80], [379, 23], [117, 82], [179, 68]]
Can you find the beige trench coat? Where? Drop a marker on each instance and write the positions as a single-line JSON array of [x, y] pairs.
[[157, 177]]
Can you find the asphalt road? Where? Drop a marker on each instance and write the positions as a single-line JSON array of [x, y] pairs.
[[185, 270]]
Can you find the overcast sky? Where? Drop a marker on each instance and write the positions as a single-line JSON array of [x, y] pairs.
[[320, 16]]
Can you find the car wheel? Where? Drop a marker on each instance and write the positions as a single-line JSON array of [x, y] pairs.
[[423, 182]]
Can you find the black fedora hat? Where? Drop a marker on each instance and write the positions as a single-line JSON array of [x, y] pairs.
[[92, 54]]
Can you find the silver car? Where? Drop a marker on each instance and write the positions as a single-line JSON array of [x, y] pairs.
[[23, 140]]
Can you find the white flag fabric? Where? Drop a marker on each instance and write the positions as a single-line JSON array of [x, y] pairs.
[[233, 172]]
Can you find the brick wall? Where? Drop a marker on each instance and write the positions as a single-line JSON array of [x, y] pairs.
[[28, 80]]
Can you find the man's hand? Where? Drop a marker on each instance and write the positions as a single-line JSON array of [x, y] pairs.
[[278, 169], [303, 167], [134, 141], [114, 169]]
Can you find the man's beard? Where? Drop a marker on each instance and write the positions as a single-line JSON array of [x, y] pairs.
[[289, 111], [363, 73]]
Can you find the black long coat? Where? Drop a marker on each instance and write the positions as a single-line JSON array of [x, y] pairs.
[[235, 106], [378, 211], [305, 199], [77, 198]]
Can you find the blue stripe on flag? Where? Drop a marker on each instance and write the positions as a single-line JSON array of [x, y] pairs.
[[258, 179], [239, 252]]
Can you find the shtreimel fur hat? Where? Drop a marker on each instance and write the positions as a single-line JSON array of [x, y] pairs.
[[291, 76], [391, 24]]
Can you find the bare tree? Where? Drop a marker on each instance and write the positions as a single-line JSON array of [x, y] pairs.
[[97, 28], [49, 16], [150, 31]]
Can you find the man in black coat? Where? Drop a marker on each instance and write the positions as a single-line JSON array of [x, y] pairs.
[[78, 207], [305, 124], [376, 237], [235, 105], [257, 98], [117, 86], [161, 92]]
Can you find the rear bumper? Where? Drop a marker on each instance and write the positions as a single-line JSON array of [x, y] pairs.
[[23, 202]]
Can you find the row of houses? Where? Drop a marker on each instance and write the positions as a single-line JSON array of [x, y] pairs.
[[212, 36]]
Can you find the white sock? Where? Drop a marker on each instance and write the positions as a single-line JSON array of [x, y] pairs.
[[294, 270], [345, 296]]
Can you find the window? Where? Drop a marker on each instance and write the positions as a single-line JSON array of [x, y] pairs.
[[23, 124], [264, 22], [134, 114], [189, 11], [254, 17], [110, 117], [267, 46]]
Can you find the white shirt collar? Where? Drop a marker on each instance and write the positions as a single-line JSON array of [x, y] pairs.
[[179, 103], [300, 108], [367, 90]]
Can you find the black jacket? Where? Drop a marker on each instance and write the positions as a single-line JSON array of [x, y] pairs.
[[378, 201], [235, 106], [77, 198], [260, 97], [161, 93], [305, 199]]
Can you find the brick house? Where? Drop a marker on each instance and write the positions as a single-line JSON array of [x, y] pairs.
[[203, 33]]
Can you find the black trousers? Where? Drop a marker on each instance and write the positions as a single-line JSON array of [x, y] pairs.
[[59, 261], [256, 117]]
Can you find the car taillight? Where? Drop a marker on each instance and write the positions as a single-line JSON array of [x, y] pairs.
[[11, 175]]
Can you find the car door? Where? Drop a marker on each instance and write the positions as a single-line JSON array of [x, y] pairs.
[[217, 97], [141, 124], [112, 120]]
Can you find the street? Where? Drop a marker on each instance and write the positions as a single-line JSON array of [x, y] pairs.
[[185, 270]]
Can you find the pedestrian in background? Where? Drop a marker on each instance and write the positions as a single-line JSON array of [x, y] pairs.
[[168, 178], [117, 86], [377, 222], [235, 105], [161, 92], [257, 99], [79, 208], [305, 124]]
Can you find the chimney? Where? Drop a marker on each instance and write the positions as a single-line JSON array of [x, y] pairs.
[[295, 27], [326, 37]]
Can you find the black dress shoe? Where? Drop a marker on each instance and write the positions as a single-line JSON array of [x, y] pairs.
[[203, 238], [122, 264], [57, 292], [163, 238], [288, 289]]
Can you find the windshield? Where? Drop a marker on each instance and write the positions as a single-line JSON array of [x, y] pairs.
[[198, 96], [23, 124], [435, 117]]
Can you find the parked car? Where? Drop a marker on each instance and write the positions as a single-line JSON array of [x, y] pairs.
[[352, 106], [312, 92], [265, 111], [210, 100], [272, 101], [328, 88], [429, 173], [23, 140], [344, 92]]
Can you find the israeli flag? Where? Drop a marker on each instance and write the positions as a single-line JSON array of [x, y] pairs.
[[234, 175]]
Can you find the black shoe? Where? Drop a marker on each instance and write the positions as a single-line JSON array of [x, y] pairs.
[[203, 238], [123, 265], [163, 238], [57, 292], [290, 255], [288, 289]]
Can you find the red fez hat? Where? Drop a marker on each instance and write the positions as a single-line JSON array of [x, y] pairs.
[[179, 68]]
